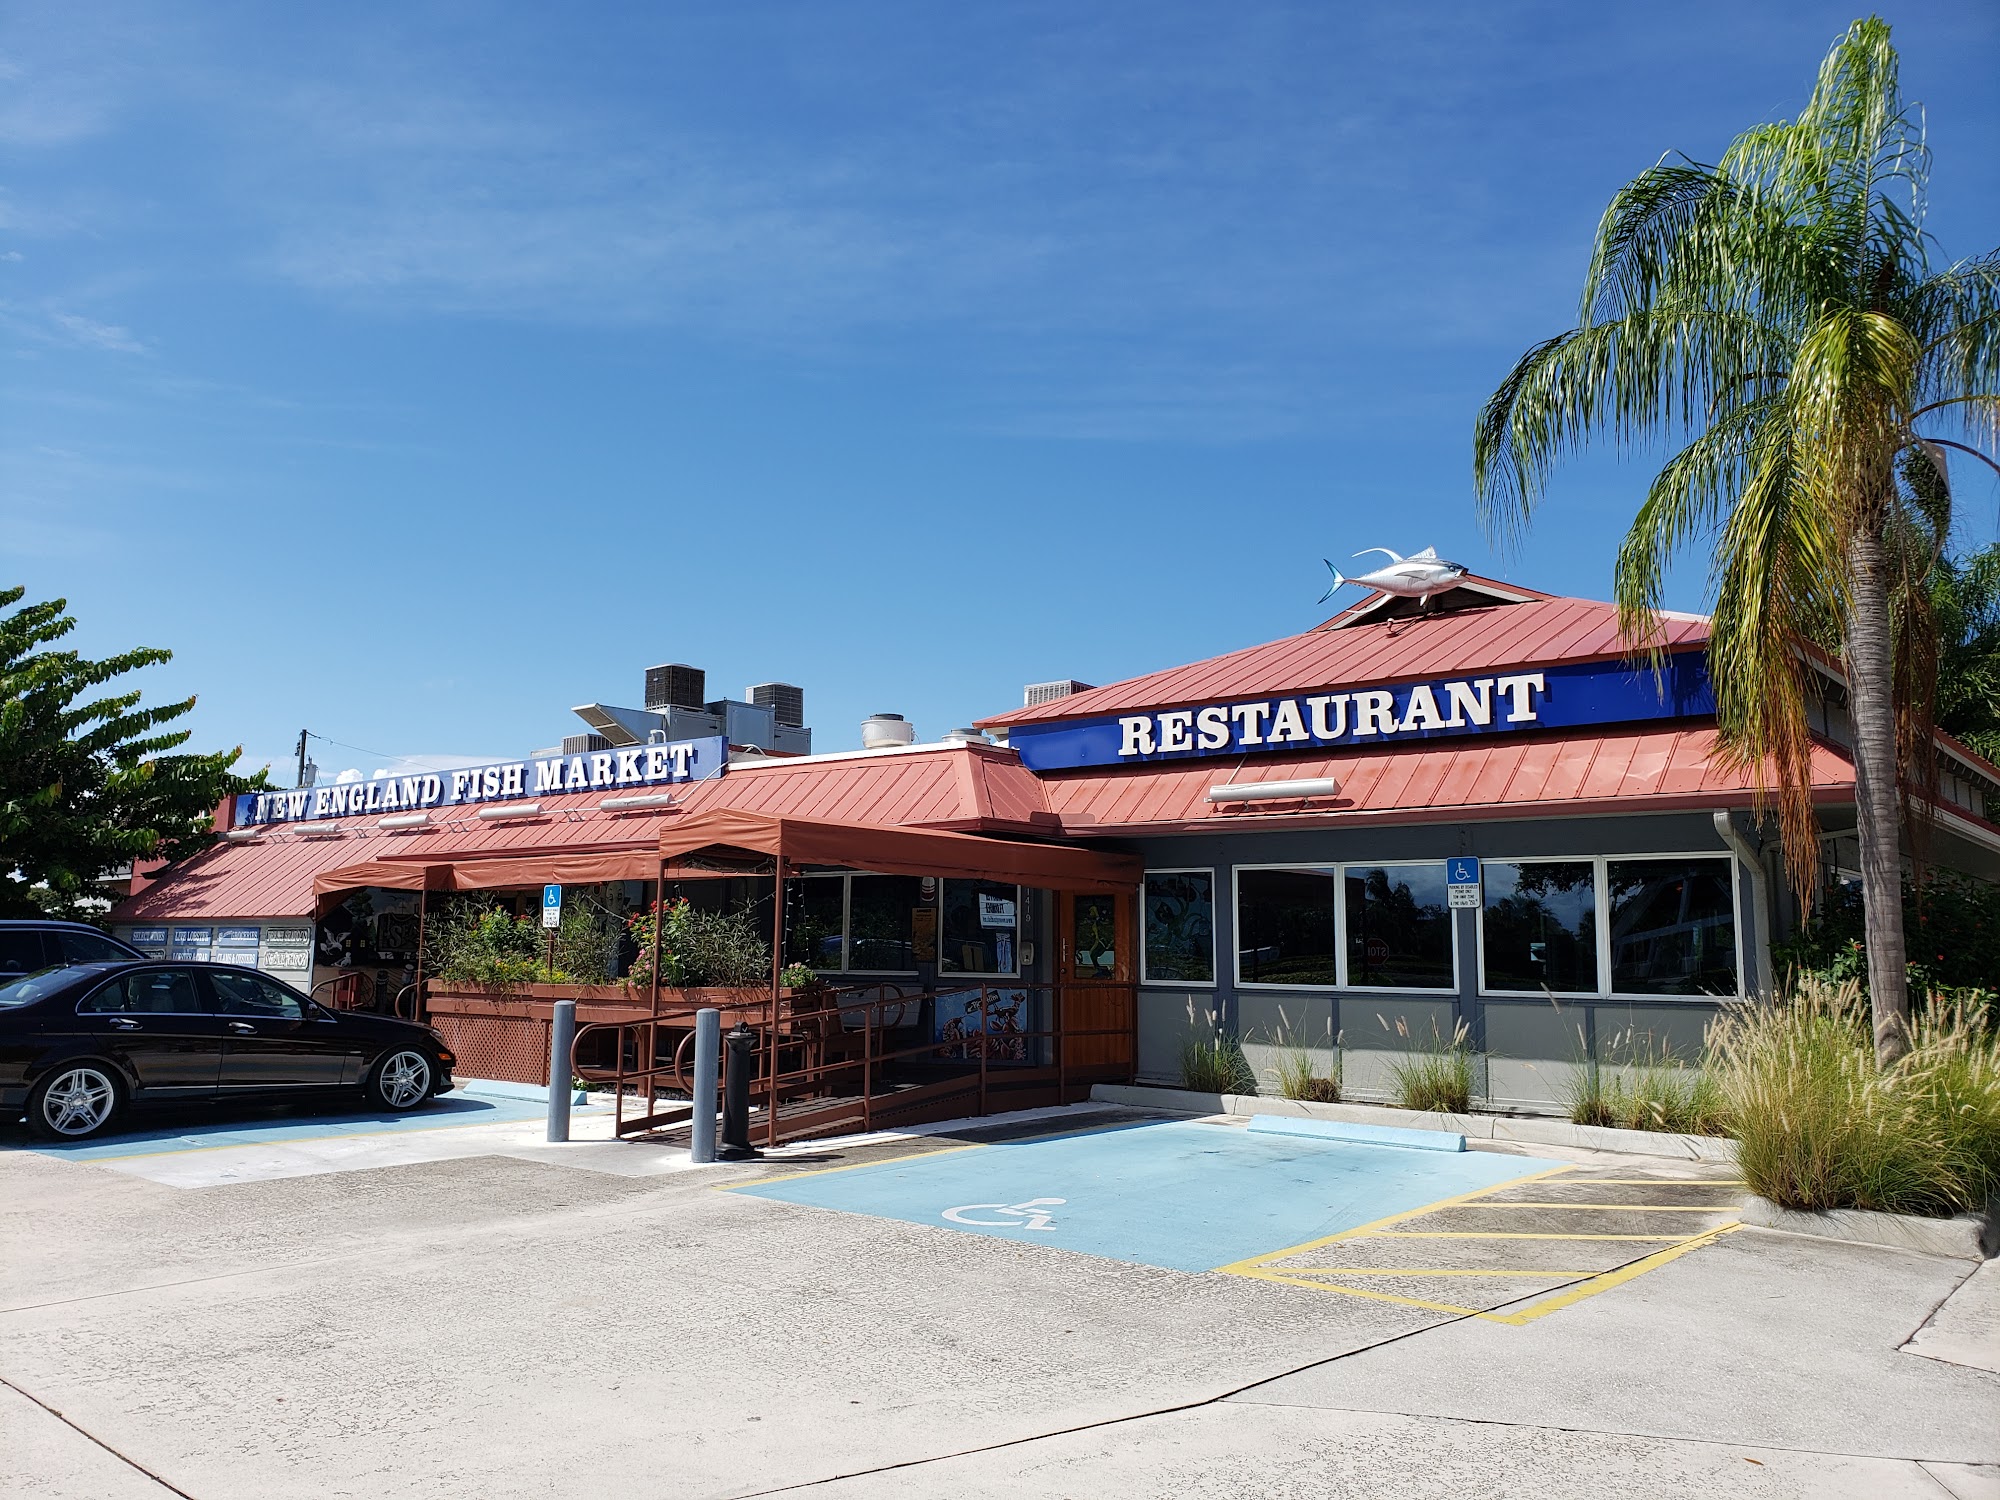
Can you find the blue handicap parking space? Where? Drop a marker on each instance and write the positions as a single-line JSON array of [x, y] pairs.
[[270, 1128], [1178, 1194]]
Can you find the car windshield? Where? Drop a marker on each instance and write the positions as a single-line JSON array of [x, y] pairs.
[[29, 988]]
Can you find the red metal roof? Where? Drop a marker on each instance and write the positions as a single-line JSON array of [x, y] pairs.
[[973, 789], [976, 788], [1537, 632], [1488, 777]]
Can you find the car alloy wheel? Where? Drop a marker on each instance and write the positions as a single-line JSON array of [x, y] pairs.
[[79, 1101], [405, 1080]]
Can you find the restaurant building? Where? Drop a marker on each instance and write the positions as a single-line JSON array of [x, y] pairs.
[[1468, 818]]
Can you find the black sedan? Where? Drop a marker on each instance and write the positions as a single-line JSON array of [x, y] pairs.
[[80, 1045]]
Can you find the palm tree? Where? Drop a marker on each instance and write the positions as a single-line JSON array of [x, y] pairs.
[[1781, 313]]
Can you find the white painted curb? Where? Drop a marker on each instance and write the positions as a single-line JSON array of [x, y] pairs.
[[1964, 1237], [1522, 1130]]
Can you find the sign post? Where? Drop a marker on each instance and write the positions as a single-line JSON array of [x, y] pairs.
[[1461, 881], [552, 919]]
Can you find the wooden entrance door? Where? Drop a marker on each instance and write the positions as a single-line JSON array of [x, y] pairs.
[[1096, 970]]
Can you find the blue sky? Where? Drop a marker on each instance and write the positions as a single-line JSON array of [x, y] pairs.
[[416, 371]]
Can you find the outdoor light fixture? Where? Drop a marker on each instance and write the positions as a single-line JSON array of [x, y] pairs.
[[320, 831], [518, 810], [404, 820], [243, 833], [1273, 791], [644, 799]]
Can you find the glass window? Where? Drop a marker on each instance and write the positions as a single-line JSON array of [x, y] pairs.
[[880, 928], [155, 992], [815, 920], [20, 950], [26, 990], [1094, 931], [1285, 927], [981, 921], [89, 948], [1540, 926], [1398, 928], [247, 995], [1180, 927], [1673, 927]]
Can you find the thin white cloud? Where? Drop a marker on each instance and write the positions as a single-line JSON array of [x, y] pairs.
[[91, 334]]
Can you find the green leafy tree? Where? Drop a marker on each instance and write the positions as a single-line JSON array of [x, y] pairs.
[[1965, 598], [89, 783], [1782, 313]]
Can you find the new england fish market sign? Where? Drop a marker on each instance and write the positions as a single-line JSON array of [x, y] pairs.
[[503, 781], [1571, 696]]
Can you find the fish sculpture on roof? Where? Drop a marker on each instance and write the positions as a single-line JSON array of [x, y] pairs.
[[1417, 576]]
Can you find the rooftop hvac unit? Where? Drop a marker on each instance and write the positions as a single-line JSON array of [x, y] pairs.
[[886, 731], [584, 744], [1048, 692], [675, 685], [786, 702]]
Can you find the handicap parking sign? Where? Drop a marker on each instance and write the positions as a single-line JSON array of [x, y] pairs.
[[1461, 880], [552, 906]]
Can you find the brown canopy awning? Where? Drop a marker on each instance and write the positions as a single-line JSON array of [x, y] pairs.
[[800, 841], [490, 873], [900, 851]]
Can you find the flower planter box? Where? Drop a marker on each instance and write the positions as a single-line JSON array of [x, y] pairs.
[[504, 1034]]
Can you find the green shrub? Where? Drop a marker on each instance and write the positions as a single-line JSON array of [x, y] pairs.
[[700, 947], [1818, 1127], [1437, 1075], [1216, 1065], [586, 945], [1952, 927]]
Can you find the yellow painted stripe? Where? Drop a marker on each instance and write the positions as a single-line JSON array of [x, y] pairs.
[[1494, 1234], [1250, 1263], [1715, 1182], [1626, 1208], [1355, 1291], [1609, 1279], [1419, 1271], [853, 1166]]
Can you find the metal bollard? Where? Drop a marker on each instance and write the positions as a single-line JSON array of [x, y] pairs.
[[742, 1044], [562, 1040], [707, 1053]]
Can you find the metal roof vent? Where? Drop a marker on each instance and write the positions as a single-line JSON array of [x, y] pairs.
[[886, 732], [966, 737]]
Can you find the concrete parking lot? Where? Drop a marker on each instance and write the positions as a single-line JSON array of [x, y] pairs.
[[466, 1311]]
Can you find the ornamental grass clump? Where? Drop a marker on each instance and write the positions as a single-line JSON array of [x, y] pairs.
[[1437, 1074], [1820, 1127], [1654, 1091], [1298, 1075], [1216, 1065]]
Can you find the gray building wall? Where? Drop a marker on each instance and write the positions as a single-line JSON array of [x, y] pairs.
[[1526, 1049]]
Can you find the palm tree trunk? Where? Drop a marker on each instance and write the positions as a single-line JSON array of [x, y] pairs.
[[1871, 705]]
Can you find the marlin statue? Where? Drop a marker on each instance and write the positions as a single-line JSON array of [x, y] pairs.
[[1414, 577]]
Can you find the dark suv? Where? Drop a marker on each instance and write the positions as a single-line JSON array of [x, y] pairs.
[[31, 945]]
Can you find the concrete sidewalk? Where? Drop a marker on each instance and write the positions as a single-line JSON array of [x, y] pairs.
[[493, 1326]]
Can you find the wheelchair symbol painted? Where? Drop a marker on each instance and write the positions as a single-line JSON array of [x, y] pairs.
[[1034, 1214]]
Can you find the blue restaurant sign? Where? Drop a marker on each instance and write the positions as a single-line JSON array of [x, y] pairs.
[[506, 780], [1575, 695]]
